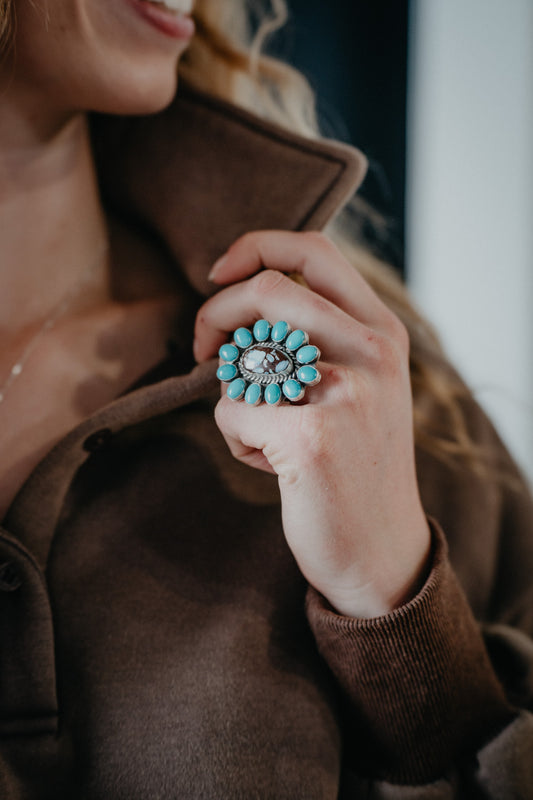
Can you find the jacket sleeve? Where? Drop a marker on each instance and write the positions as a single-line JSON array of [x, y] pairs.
[[431, 696]]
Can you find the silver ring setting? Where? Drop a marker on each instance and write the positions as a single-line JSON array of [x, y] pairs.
[[269, 363]]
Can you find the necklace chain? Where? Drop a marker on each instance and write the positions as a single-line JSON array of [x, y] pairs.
[[49, 322]]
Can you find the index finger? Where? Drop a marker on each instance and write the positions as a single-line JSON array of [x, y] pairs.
[[311, 255]]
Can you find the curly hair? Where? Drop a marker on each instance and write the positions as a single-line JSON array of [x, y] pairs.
[[6, 24]]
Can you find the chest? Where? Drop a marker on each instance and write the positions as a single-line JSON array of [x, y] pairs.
[[71, 372]]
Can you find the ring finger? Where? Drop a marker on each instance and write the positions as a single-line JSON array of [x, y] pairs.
[[273, 296]]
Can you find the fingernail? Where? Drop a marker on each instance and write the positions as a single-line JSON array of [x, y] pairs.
[[217, 266]]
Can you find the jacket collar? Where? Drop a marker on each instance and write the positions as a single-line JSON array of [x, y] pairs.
[[198, 175], [203, 172]]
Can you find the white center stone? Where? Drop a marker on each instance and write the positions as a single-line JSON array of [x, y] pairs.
[[266, 360]]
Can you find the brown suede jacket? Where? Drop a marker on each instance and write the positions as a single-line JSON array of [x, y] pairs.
[[157, 638]]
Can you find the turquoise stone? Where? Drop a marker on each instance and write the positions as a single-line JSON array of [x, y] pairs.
[[307, 354], [273, 394], [262, 330], [308, 375], [228, 352], [296, 339], [243, 337], [253, 394], [227, 372], [280, 331], [236, 389], [293, 390]]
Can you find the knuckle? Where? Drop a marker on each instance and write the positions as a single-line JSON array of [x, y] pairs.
[[244, 242], [321, 241], [347, 386], [319, 237], [318, 304], [398, 332], [268, 281], [313, 433], [338, 376], [387, 357], [244, 248]]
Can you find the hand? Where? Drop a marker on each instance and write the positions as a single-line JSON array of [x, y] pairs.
[[351, 510]]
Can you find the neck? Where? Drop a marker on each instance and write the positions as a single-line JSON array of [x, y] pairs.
[[51, 219]]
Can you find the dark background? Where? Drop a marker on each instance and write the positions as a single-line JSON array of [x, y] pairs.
[[354, 53]]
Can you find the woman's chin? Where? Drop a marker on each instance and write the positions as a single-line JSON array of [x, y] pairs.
[[144, 98], [152, 103]]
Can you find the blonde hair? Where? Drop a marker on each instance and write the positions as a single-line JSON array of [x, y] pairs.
[[6, 24], [226, 59]]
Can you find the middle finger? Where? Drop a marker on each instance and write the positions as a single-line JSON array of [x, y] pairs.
[[272, 295]]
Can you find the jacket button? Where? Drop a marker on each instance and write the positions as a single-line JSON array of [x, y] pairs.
[[9, 577], [97, 440]]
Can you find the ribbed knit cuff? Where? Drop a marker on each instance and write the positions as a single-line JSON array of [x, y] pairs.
[[419, 692]]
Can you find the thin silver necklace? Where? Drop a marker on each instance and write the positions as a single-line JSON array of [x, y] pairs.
[[49, 322]]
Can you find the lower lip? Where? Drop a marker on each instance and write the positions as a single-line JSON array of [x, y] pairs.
[[177, 26]]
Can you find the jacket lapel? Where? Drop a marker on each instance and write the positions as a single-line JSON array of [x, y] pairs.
[[203, 172], [198, 175]]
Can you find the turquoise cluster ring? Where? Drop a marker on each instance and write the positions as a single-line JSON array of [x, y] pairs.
[[269, 363]]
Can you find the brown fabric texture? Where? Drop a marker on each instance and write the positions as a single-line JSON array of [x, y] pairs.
[[157, 638], [252, 176], [414, 723]]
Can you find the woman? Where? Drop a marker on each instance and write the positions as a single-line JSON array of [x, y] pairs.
[[166, 632]]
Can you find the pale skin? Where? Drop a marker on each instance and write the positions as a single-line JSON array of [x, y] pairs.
[[72, 56], [345, 458]]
